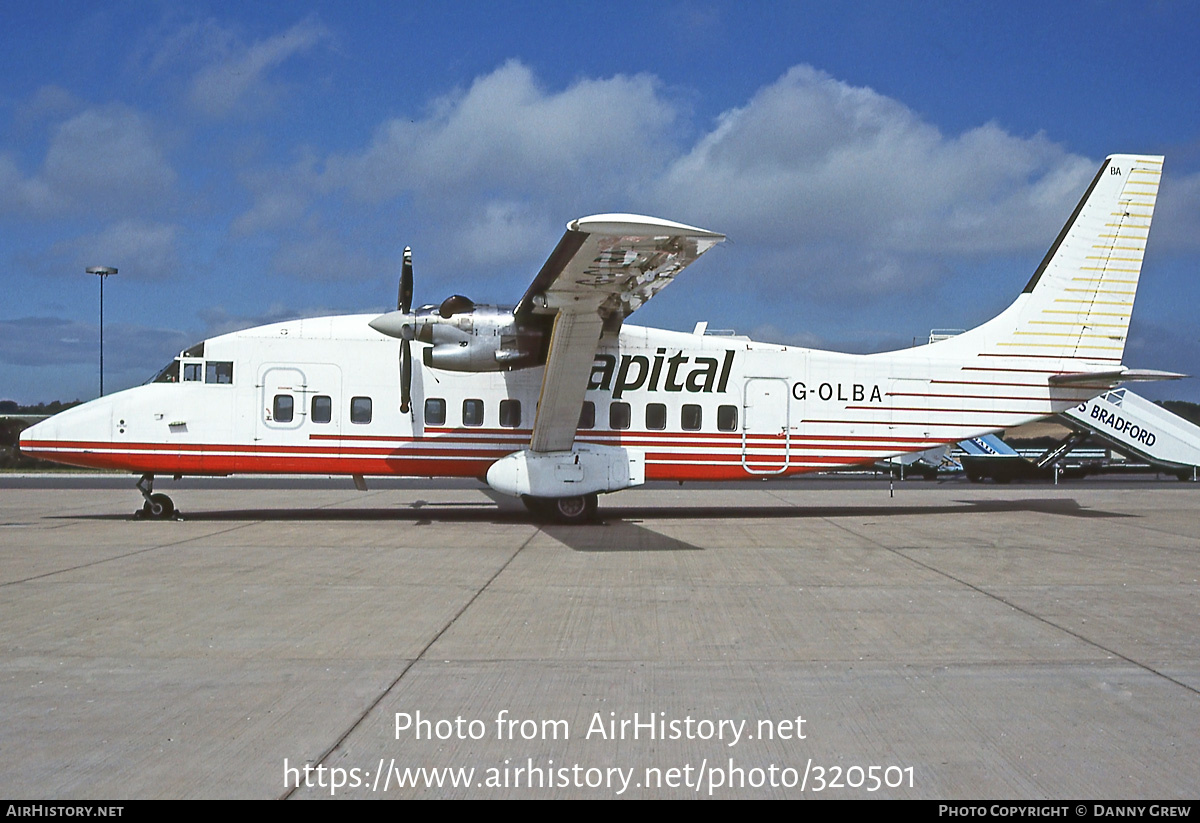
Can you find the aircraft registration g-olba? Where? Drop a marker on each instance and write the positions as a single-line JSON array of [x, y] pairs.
[[558, 399]]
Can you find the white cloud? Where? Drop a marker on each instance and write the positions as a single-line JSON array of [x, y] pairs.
[[103, 160], [49, 102], [506, 132], [497, 169], [1176, 213], [110, 153], [508, 231], [239, 77], [821, 186], [169, 46], [322, 253], [812, 162], [281, 197], [139, 249]]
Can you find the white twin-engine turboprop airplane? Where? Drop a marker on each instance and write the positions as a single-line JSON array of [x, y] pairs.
[[558, 399]]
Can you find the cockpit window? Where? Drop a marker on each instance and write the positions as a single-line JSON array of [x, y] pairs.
[[218, 371], [190, 368], [169, 374]]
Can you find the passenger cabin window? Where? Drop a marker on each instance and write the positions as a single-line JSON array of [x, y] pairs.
[[435, 411], [587, 415], [192, 372], [656, 416], [322, 408], [727, 418], [218, 371], [618, 415], [283, 409], [691, 417], [472, 413], [510, 413], [360, 410]]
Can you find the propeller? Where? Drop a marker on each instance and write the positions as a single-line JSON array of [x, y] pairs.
[[405, 324], [404, 304]]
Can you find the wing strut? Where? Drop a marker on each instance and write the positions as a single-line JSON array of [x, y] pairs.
[[568, 367]]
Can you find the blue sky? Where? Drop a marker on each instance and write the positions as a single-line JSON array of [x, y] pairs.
[[880, 168]]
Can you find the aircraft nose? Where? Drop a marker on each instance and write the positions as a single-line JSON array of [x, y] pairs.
[[69, 431], [43, 432]]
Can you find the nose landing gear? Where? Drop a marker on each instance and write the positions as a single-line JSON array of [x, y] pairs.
[[157, 506]]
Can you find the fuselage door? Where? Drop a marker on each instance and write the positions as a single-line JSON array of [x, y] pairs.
[[283, 398], [766, 434], [300, 404]]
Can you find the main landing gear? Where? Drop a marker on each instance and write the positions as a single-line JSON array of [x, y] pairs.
[[157, 506], [579, 509]]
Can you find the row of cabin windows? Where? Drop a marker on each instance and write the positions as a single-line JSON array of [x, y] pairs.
[[620, 414], [283, 410], [472, 412], [691, 416]]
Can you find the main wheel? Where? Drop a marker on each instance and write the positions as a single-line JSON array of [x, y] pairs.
[[575, 509], [578, 509], [159, 507]]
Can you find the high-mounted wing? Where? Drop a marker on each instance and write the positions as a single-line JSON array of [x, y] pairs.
[[604, 268]]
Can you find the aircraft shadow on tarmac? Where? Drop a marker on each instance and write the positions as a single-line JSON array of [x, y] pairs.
[[618, 527]]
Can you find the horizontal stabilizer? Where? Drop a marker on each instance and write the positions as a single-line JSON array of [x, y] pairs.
[[1147, 375], [1114, 376]]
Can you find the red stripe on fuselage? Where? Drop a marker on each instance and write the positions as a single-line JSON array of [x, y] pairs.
[[705, 467], [456, 458]]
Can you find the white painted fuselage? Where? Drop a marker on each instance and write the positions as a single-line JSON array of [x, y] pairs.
[[699, 406], [323, 395]]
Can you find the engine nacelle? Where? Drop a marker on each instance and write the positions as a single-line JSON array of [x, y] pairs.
[[487, 338], [586, 469]]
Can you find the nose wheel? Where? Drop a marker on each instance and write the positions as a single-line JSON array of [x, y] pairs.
[[157, 506]]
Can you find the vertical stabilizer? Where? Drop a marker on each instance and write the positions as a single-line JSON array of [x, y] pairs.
[[1077, 305]]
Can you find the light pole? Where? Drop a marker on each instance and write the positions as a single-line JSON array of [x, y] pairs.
[[102, 272]]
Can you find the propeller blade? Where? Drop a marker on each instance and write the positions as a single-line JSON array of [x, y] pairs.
[[404, 298], [405, 376]]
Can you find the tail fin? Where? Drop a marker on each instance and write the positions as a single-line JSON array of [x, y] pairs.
[[988, 445], [1077, 305]]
